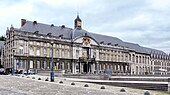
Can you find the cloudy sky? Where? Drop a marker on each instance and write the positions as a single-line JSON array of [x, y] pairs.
[[146, 22]]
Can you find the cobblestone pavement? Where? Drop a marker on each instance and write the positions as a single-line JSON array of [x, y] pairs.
[[24, 85], [13, 85]]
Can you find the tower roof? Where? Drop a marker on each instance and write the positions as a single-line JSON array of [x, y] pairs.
[[78, 18]]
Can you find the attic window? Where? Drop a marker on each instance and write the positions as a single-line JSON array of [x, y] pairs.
[[35, 22], [49, 34], [63, 26], [61, 35], [108, 43], [116, 44], [36, 32], [102, 42], [85, 34], [52, 25]]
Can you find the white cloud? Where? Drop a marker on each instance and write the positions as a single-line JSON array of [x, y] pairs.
[[145, 22]]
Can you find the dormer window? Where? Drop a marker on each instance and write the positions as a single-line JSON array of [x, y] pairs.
[[34, 22], [49, 34], [61, 36], [108, 43], [85, 34], [52, 25], [116, 44], [63, 26], [36, 32], [102, 42]]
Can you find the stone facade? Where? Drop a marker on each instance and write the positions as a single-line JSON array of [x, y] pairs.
[[78, 51]]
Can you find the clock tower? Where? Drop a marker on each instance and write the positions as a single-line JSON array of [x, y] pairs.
[[77, 22]]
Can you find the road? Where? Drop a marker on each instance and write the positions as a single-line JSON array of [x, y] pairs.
[[13, 85]]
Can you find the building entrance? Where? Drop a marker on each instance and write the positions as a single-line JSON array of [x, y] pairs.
[[85, 68]]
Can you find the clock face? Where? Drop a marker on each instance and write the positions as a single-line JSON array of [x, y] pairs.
[[78, 23]]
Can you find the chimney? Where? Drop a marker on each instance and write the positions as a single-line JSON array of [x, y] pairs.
[[23, 21]]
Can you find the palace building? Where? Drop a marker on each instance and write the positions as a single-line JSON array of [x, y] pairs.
[[76, 50]]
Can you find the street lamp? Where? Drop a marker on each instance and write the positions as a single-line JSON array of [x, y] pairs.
[[52, 65], [13, 50]]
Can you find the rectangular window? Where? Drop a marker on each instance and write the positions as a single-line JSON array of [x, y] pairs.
[[31, 51], [136, 59], [31, 64], [104, 57], [45, 44], [108, 57], [50, 52], [57, 53], [38, 64], [63, 53], [77, 53], [21, 50], [38, 43], [21, 41], [31, 43], [45, 51], [38, 51], [68, 54]]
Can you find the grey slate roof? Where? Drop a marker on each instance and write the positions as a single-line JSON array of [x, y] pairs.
[[45, 29], [74, 33]]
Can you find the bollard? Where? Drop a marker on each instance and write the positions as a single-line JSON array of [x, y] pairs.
[[72, 83], [61, 82], [146, 93], [39, 78], [86, 85], [102, 87], [122, 90], [168, 84], [46, 79]]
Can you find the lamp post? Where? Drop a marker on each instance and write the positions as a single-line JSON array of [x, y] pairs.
[[52, 65], [13, 50]]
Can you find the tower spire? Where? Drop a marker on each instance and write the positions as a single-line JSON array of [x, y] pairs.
[[77, 22]]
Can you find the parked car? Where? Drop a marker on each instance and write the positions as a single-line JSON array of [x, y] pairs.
[[2, 71], [8, 71], [98, 72], [20, 71], [108, 71], [29, 72]]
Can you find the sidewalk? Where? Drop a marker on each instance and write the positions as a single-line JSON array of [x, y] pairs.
[[116, 90]]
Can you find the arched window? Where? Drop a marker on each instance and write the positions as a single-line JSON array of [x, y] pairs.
[[139, 59], [143, 59], [136, 59]]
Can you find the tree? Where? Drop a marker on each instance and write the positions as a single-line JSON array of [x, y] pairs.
[[2, 38], [1, 66]]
